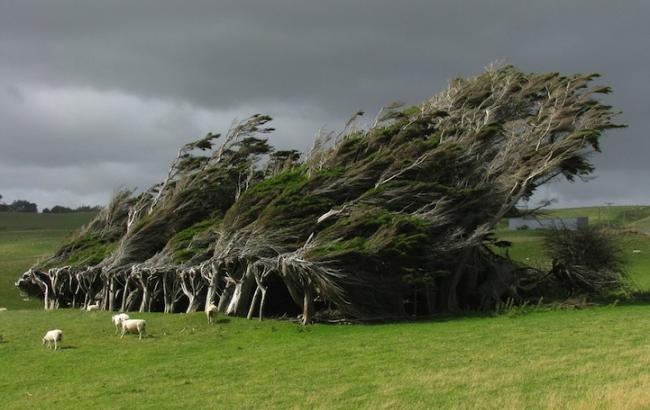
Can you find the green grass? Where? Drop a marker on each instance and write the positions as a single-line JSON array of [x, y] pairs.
[[24, 238], [593, 358], [16, 221]]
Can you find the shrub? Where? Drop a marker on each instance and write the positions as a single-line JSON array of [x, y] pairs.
[[586, 260]]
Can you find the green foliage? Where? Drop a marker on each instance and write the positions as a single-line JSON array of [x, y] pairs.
[[87, 251], [189, 242], [400, 240], [587, 259], [252, 203], [590, 247]]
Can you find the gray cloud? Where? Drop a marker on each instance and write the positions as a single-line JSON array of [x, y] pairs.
[[94, 95]]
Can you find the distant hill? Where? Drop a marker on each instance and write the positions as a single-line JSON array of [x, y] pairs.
[[632, 216]]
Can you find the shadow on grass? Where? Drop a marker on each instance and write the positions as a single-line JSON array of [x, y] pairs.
[[221, 321], [135, 337], [638, 298]]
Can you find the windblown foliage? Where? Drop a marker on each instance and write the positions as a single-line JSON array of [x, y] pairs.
[[384, 221]]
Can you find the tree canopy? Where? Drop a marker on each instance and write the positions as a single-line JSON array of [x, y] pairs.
[[383, 221]]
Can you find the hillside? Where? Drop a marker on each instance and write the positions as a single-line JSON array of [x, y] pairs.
[[26, 237]]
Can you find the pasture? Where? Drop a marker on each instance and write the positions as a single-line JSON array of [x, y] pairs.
[[523, 358], [24, 238], [592, 358]]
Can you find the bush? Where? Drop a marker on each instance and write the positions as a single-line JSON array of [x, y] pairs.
[[586, 260]]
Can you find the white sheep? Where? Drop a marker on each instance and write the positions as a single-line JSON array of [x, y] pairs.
[[92, 307], [211, 313], [53, 336], [133, 326], [3, 309], [118, 319], [636, 250]]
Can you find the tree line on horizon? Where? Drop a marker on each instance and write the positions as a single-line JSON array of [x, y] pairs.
[[25, 206]]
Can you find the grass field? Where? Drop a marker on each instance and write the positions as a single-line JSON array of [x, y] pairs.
[[532, 358], [23, 239], [592, 358]]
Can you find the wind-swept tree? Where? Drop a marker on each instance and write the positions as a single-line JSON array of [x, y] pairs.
[[385, 221]]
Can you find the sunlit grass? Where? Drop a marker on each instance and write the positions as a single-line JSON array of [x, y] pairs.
[[551, 359]]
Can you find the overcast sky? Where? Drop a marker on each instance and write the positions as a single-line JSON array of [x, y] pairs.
[[98, 95]]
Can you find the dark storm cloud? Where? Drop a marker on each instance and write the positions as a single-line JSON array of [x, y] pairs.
[[90, 89]]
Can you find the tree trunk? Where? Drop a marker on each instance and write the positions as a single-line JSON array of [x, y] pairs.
[[111, 293], [261, 315], [454, 280], [193, 304], [212, 290], [168, 294], [130, 301], [225, 297], [308, 306], [145, 299], [125, 292], [248, 283], [46, 298], [431, 299], [234, 300], [252, 307]]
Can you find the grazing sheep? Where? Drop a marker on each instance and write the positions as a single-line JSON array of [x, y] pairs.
[[3, 309], [92, 307], [53, 336], [636, 250], [133, 326], [118, 319], [211, 313]]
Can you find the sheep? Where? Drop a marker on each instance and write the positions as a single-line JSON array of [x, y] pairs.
[[3, 309], [211, 313], [55, 335], [118, 319], [90, 308], [636, 250], [132, 326]]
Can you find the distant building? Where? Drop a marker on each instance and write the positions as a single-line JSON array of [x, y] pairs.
[[528, 222]]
